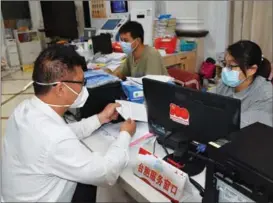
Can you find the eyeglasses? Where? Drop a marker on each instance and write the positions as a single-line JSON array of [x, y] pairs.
[[224, 63], [83, 83]]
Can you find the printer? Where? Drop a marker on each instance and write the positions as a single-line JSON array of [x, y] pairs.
[[242, 170]]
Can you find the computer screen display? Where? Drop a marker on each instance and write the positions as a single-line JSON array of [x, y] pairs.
[[110, 24], [88, 33], [102, 43], [119, 6], [200, 116]]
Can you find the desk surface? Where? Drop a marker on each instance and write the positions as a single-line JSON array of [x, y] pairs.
[[89, 55], [135, 187]]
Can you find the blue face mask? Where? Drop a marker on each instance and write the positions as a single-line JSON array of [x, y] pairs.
[[127, 47], [231, 77]]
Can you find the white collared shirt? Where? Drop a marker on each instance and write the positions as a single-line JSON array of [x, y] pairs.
[[43, 157]]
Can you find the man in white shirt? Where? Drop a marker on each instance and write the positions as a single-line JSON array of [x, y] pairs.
[[43, 157]]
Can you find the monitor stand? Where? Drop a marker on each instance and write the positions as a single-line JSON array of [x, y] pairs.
[[183, 148]]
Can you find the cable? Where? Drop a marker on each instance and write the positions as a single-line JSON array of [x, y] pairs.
[[200, 148], [199, 156], [154, 146], [165, 149], [163, 146], [198, 187], [168, 134]]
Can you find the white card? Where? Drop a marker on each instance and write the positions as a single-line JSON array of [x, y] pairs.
[[134, 111]]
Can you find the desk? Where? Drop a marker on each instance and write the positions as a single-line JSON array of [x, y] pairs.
[[184, 60], [128, 182]]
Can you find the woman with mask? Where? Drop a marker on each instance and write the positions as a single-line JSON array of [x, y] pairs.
[[245, 77]]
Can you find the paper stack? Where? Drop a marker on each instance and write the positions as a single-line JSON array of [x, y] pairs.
[[164, 27], [161, 78]]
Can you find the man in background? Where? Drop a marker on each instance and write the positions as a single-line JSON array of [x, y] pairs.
[[141, 59]]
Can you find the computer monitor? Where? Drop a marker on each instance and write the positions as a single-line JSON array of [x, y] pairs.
[[88, 33], [58, 23], [200, 116], [178, 116], [102, 43], [119, 6]]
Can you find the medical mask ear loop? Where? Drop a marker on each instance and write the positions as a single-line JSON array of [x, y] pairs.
[[53, 105], [54, 83], [244, 79], [47, 84], [58, 106], [134, 50], [71, 89], [135, 47]]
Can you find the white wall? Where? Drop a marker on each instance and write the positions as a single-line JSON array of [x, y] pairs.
[[80, 17], [36, 14], [183, 9], [217, 22], [142, 4], [215, 15]]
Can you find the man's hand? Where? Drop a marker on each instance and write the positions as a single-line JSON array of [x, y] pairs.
[[118, 73], [128, 126], [109, 113], [108, 71]]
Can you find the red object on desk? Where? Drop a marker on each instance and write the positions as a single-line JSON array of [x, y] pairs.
[[190, 80], [175, 164], [168, 44], [116, 47]]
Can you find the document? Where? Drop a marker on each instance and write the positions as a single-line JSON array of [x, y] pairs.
[[117, 56], [112, 67], [110, 132], [134, 111], [161, 78]]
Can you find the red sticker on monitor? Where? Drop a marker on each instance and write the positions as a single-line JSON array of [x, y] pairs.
[[179, 115]]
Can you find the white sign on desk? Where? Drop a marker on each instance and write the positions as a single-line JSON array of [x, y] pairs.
[[165, 178]]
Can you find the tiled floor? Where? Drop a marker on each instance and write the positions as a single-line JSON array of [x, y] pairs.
[[14, 86], [12, 83]]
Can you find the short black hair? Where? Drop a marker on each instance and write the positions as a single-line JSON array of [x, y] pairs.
[[247, 53], [54, 63], [134, 28]]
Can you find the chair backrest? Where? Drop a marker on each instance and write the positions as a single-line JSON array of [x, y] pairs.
[[187, 79]]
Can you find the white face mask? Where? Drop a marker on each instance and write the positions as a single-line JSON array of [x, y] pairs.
[[127, 47], [79, 101]]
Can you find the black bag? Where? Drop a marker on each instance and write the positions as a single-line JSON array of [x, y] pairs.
[[100, 97]]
